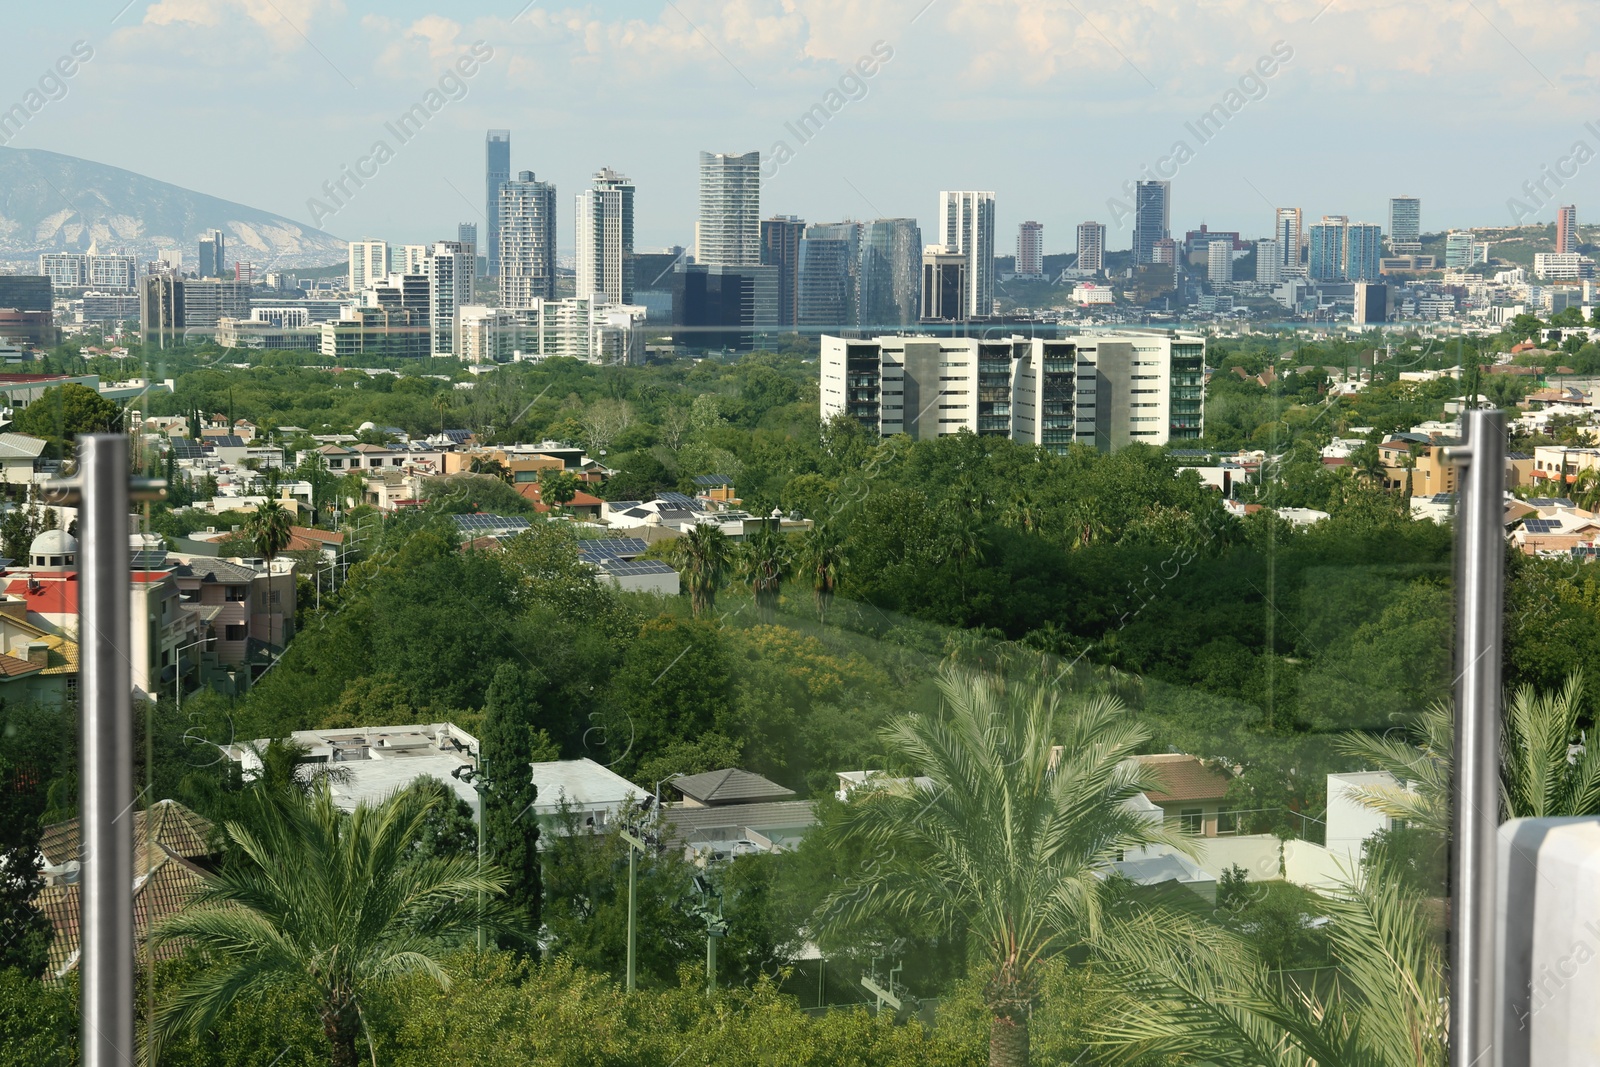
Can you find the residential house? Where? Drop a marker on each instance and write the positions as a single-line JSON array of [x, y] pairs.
[[19, 457], [733, 812], [583, 506], [617, 559], [248, 608], [36, 666], [172, 854], [1432, 473], [594, 794], [1192, 793]]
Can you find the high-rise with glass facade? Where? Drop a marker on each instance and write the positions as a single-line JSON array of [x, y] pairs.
[[890, 274], [527, 241], [449, 270], [496, 172], [830, 255], [1405, 225], [605, 239], [1288, 232], [1152, 218], [968, 220], [728, 230], [780, 249], [369, 263]]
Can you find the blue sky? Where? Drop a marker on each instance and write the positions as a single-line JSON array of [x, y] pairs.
[[1054, 104]]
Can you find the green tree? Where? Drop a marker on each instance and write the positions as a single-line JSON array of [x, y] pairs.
[[1024, 810], [822, 561], [762, 561], [327, 903], [557, 488], [269, 528], [511, 741], [703, 556], [62, 412]]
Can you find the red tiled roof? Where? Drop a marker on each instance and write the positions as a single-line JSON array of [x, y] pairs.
[[12, 667], [167, 886], [1183, 778], [173, 826]]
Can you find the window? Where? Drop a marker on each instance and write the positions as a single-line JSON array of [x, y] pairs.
[[1227, 822], [236, 593], [1192, 820], [236, 632]]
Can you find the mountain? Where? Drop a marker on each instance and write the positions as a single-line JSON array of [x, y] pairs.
[[55, 203]]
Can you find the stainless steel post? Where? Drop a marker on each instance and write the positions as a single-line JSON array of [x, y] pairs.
[[1480, 589], [106, 882]]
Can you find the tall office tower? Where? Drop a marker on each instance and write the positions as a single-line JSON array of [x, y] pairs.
[[1363, 247], [890, 276], [213, 253], [1288, 232], [1269, 261], [1092, 246], [605, 239], [968, 218], [449, 271], [412, 259], [830, 254], [1030, 250], [206, 302], [1327, 263], [1372, 303], [161, 310], [1104, 391], [1152, 218], [780, 249], [1405, 225], [1567, 228], [527, 241], [728, 231], [946, 285], [496, 172], [1458, 250], [369, 262], [1219, 262], [467, 238]]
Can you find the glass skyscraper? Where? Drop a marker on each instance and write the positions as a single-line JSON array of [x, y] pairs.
[[496, 172]]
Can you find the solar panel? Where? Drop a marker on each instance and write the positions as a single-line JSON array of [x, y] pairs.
[[623, 505], [636, 567], [1541, 526], [611, 547], [678, 499], [490, 522]]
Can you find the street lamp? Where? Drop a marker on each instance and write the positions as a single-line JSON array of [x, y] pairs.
[[177, 680], [480, 785], [716, 925]]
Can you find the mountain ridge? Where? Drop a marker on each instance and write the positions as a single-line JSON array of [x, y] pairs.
[[50, 202]]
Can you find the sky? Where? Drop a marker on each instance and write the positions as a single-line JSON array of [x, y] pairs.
[[1055, 105]]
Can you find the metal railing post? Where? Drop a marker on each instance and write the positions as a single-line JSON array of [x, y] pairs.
[[106, 887], [1480, 589]]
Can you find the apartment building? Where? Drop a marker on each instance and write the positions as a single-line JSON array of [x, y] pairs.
[[1100, 390]]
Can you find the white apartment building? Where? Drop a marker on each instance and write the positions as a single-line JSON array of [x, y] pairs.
[[1099, 390], [1269, 261], [489, 334], [369, 262], [1562, 266], [967, 218], [727, 232], [449, 270], [78, 270], [1091, 246], [1219, 262], [605, 239], [527, 241]]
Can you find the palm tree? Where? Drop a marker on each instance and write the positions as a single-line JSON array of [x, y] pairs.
[[442, 402], [271, 530], [1197, 994], [1024, 815], [329, 903], [703, 555], [1539, 776], [762, 561], [822, 557]]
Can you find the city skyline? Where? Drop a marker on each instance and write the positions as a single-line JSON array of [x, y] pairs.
[[364, 69]]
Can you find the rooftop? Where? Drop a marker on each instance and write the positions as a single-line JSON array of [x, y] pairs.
[[1184, 777], [730, 786]]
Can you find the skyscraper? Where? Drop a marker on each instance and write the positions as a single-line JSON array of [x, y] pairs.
[[1219, 262], [1269, 261], [890, 275], [1567, 228], [830, 255], [780, 249], [1458, 250], [1152, 218], [728, 231], [369, 263], [1405, 225], [1363, 247], [1288, 232], [527, 241], [467, 237], [496, 170], [1030, 249], [968, 218], [1327, 249], [449, 272], [1091, 246], [213, 254], [605, 239]]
